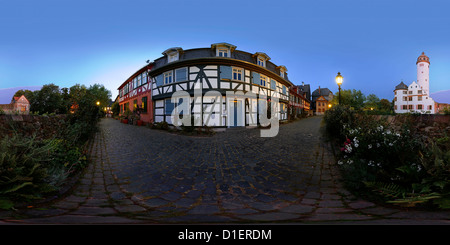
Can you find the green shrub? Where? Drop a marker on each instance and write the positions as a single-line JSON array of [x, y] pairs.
[[336, 119], [23, 169], [397, 165]]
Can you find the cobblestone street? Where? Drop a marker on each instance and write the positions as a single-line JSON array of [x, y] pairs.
[[140, 175]]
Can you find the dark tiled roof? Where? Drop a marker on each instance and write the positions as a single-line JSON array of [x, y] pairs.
[[323, 91], [210, 52], [401, 86]]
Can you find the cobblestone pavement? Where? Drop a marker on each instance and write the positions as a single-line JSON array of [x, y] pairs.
[[144, 176]]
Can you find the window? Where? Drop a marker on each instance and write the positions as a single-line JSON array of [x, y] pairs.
[[168, 77], [222, 52], [404, 98], [139, 82], [410, 98], [237, 74], [284, 89], [419, 107], [419, 91], [419, 98], [404, 92], [262, 80], [144, 104], [404, 107], [181, 74], [410, 107], [172, 57], [261, 61], [395, 98], [144, 78], [430, 107], [410, 92], [134, 104]]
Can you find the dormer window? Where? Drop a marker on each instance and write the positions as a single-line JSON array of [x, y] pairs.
[[173, 54], [261, 62], [222, 52], [173, 57], [282, 70], [223, 49], [261, 58]]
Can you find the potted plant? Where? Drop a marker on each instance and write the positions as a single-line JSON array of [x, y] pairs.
[[127, 114]]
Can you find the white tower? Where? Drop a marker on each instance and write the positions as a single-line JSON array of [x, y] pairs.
[[423, 73]]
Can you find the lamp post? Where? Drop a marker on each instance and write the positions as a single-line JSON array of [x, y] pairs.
[[339, 80]]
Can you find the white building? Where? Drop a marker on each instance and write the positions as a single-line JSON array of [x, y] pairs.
[[416, 96]]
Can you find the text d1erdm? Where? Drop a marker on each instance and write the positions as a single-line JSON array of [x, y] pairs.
[[225, 235]]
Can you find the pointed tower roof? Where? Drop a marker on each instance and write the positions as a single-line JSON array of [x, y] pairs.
[[401, 86], [423, 58]]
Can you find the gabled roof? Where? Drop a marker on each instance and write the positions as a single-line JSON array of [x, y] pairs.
[[323, 91]]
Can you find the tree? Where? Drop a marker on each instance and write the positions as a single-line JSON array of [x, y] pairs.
[[115, 108], [48, 100], [372, 102], [353, 98], [385, 106]]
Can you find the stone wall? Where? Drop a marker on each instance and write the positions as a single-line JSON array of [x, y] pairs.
[[29, 125]]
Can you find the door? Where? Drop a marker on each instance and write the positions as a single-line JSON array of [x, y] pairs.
[[236, 113]]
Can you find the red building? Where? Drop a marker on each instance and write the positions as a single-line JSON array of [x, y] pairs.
[[135, 96], [298, 103]]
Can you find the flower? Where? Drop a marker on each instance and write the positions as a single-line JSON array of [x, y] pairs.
[[369, 146]]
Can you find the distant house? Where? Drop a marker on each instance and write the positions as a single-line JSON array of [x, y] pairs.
[[19, 105], [299, 103], [321, 99]]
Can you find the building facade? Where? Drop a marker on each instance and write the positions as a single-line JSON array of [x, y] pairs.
[[321, 99], [218, 86], [135, 95], [298, 102], [18, 105], [416, 96]]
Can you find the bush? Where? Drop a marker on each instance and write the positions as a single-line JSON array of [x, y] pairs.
[[336, 119], [394, 164], [23, 169]]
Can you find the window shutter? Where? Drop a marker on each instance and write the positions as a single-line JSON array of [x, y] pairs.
[[255, 78], [169, 106], [225, 72], [159, 80], [181, 74], [273, 84]]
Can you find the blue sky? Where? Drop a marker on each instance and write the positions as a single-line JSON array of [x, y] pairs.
[[374, 44]]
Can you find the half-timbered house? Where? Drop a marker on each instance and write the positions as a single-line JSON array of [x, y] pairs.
[[226, 87], [135, 95]]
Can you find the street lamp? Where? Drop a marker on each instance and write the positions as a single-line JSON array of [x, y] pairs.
[[339, 80], [98, 102]]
